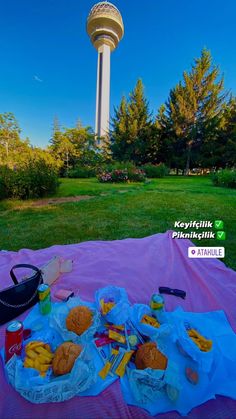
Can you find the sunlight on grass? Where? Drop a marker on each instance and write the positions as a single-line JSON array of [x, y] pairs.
[[144, 210]]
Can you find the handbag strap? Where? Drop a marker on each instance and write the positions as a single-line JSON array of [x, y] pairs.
[[28, 301], [22, 265]]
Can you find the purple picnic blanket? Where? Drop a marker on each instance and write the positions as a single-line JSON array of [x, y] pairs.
[[140, 266]]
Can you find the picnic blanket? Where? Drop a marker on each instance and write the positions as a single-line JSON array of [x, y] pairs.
[[140, 266]]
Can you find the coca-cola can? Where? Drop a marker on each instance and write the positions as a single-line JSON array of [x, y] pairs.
[[13, 339]]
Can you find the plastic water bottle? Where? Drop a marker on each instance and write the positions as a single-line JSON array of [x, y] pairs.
[[157, 305]]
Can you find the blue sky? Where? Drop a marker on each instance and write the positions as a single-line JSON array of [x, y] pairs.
[[48, 66]]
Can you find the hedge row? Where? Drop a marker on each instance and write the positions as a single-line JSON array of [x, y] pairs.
[[35, 179], [134, 173], [225, 177]]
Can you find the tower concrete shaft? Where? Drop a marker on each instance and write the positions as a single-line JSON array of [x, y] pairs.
[[103, 92], [105, 29]]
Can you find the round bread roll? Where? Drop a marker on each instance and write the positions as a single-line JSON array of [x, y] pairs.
[[148, 356], [79, 319], [64, 358]]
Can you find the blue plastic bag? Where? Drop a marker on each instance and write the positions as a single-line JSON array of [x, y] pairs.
[[121, 311], [137, 313], [187, 346], [37, 389], [220, 380], [59, 314], [100, 384], [149, 385]]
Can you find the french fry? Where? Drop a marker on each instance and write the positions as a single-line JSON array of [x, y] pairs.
[[38, 356], [48, 348], [44, 359], [34, 344], [203, 344], [44, 352], [44, 367], [31, 354], [29, 363]]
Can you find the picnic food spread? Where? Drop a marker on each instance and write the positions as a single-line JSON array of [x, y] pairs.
[[149, 352]]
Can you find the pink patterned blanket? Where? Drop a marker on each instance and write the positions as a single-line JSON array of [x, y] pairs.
[[140, 266]]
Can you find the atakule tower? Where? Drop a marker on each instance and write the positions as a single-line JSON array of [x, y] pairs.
[[105, 28]]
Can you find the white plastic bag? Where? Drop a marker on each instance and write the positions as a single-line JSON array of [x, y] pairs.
[[188, 348], [149, 385], [59, 314], [119, 314], [137, 313], [37, 389]]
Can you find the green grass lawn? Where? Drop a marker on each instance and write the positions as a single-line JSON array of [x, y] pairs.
[[119, 211]]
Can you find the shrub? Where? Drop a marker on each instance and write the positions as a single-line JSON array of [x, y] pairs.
[[225, 177], [35, 179], [104, 177], [6, 179], [155, 171], [119, 175], [137, 175], [116, 176], [129, 166], [3, 193], [81, 172], [122, 175]]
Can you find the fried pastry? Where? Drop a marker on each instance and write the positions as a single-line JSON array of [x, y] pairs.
[[65, 357]]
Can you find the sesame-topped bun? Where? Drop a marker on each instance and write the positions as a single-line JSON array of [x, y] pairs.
[[79, 319], [148, 356]]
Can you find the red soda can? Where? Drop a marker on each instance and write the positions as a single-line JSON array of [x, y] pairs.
[[13, 339]]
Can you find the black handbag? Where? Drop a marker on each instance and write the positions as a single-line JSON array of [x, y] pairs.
[[21, 296]]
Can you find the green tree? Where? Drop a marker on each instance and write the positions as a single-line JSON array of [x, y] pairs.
[[224, 151], [219, 147], [63, 150], [195, 105], [9, 134], [228, 134], [120, 132], [13, 150], [162, 149], [132, 127], [73, 146]]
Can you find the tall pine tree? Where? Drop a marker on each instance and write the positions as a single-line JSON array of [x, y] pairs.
[[132, 127], [119, 134], [194, 106], [229, 134], [164, 145], [224, 152]]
